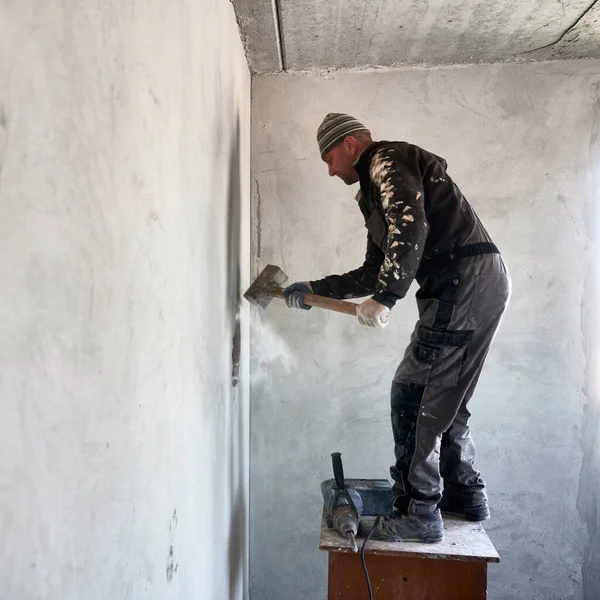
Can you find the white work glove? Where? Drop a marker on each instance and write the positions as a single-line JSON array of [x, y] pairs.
[[373, 314]]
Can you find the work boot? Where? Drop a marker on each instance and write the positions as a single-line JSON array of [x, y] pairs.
[[427, 528], [470, 512]]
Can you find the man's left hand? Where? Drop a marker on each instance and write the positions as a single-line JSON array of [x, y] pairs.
[[373, 314]]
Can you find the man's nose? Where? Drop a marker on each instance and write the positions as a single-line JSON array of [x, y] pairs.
[[331, 171]]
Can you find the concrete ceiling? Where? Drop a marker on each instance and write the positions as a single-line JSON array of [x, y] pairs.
[[307, 34]]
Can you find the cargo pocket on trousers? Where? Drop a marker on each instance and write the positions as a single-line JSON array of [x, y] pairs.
[[417, 364], [449, 349]]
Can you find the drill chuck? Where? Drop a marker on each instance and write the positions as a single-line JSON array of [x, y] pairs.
[[345, 521]]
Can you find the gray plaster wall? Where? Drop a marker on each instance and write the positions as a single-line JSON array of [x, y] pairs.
[[523, 144], [124, 243]]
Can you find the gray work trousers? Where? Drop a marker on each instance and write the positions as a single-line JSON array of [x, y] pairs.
[[460, 308]]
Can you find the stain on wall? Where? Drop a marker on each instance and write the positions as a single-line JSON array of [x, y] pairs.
[[234, 237], [172, 566]]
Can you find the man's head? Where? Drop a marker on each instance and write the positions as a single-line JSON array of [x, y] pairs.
[[341, 139]]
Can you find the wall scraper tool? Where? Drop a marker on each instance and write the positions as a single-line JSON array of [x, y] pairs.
[[268, 286]]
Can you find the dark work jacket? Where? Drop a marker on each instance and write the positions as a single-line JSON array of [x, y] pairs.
[[412, 210]]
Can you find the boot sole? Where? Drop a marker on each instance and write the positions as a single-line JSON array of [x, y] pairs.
[[466, 517]]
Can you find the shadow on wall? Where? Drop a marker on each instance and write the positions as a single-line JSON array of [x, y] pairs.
[[234, 231], [588, 501], [237, 535]]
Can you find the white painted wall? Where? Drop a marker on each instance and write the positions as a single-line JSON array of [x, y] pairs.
[[124, 242], [523, 143]]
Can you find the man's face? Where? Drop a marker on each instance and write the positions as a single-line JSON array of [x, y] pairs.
[[340, 158]]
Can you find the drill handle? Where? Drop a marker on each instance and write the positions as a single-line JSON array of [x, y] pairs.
[[338, 470]]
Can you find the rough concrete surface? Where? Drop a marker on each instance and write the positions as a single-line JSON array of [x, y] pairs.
[[355, 33], [124, 244], [258, 22], [523, 143]]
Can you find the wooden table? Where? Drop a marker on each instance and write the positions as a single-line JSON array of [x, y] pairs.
[[454, 569]]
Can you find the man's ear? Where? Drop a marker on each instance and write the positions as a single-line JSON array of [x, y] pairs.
[[351, 144]]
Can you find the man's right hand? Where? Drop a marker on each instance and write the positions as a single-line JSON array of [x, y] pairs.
[[294, 294]]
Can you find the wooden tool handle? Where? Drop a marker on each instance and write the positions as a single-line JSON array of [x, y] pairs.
[[348, 308]]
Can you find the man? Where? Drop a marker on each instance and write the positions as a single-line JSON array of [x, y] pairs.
[[420, 227]]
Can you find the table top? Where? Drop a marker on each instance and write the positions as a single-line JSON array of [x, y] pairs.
[[463, 540]]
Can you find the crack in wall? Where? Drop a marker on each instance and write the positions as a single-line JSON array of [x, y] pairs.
[[258, 225], [529, 97], [567, 31]]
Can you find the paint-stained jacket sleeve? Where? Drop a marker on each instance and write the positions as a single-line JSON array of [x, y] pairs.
[[354, 284], [400, 186]]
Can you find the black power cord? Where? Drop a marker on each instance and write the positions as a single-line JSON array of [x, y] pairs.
[[362, 558]]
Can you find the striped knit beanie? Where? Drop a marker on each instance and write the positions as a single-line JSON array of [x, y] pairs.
[[334, 128]]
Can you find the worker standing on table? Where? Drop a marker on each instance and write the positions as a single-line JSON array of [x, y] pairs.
[[420, 227]]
